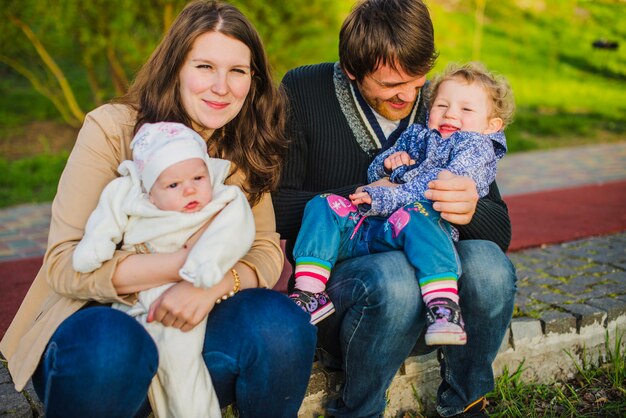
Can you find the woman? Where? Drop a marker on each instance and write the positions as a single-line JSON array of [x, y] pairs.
[[86, 359]]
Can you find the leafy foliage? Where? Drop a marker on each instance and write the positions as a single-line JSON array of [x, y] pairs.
[[30, 180], [108, 40]]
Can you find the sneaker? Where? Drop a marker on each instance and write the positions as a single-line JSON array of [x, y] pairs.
[[318, 305], [445, 325], [476, 409]]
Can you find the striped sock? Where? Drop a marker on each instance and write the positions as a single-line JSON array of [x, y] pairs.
[[440, 286], [311, 274]]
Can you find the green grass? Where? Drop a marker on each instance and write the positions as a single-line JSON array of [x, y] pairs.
[[595, 391], [30, 180]]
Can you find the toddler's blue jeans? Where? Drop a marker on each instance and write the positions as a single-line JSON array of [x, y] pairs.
[[333, 230]]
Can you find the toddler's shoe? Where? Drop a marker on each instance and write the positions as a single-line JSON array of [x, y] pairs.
[[445, 324], [318, 305]]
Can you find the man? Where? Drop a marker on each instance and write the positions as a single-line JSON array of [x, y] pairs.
[[341, 116]]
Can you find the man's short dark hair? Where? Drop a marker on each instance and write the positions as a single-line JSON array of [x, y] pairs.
[[387, 32]]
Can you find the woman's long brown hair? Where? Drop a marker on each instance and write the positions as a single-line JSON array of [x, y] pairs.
[[255, 139]]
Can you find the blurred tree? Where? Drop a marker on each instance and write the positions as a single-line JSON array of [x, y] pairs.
[[106, 39], [479, 23], [102, 43], [297, 32]]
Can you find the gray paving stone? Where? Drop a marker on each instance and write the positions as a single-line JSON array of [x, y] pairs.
[[521, 299], [585, 280], [12, 404], [620, 264], [531, 289], [547, 281], [552, 298], [558, 271], [572, 289], [613, 307], [611, 288], [593, 293], [5, 377], [558, 322], [608, 257], [599, 269], [614, 276], [525, 328], [585, 314]]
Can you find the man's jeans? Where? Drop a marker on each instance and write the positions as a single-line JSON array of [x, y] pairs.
[[380, 315], [258, 348]]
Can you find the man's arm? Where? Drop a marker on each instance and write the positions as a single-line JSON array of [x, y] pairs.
[[292, 196]]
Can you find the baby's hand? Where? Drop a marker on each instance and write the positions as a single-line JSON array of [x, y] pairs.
[[360, 197], [397, 159]]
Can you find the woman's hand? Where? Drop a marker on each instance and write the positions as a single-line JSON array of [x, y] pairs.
[[183, 306], [454, 196]]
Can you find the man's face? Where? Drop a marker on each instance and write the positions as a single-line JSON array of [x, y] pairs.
[[391, 93]]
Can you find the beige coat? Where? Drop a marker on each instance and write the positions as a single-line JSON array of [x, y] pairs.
[[58, 291]]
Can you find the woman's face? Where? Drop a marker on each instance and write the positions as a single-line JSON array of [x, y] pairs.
[[215, 80]]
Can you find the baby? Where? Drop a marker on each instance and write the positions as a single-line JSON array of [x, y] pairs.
[[469, 109], [170, 190]]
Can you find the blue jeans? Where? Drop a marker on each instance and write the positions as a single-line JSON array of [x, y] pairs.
[[259, 349], [380, 315], [333, 230]]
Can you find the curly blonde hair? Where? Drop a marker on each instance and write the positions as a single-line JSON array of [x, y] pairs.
[[496, 86]]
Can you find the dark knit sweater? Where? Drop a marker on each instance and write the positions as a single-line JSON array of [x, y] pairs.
[[325, 157]]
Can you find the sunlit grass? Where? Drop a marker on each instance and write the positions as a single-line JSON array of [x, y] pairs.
[[597, 390]]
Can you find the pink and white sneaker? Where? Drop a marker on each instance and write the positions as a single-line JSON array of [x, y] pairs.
[[445, 324], [318, 305]]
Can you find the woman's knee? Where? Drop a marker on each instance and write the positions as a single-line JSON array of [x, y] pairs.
[[265, 317], [105, 340]]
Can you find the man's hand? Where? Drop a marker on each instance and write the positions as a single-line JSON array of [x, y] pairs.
[[360, 197], [396, 160], [454, 196]]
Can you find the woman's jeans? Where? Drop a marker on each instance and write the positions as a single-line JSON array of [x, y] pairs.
[[258, 348], [380, 316]]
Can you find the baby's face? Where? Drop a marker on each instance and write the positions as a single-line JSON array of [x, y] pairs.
[[461, 106], [183, 187]]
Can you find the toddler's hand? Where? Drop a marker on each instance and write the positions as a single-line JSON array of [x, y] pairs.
[[360, 198], [397, 159]]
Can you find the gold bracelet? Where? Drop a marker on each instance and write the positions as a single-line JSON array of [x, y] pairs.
[[235, 288]]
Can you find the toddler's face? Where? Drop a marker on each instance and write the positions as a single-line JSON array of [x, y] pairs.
[[183, 187], [460, 106]]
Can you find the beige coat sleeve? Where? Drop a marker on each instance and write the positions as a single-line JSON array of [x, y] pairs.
[[265, 257], [101, 145]]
